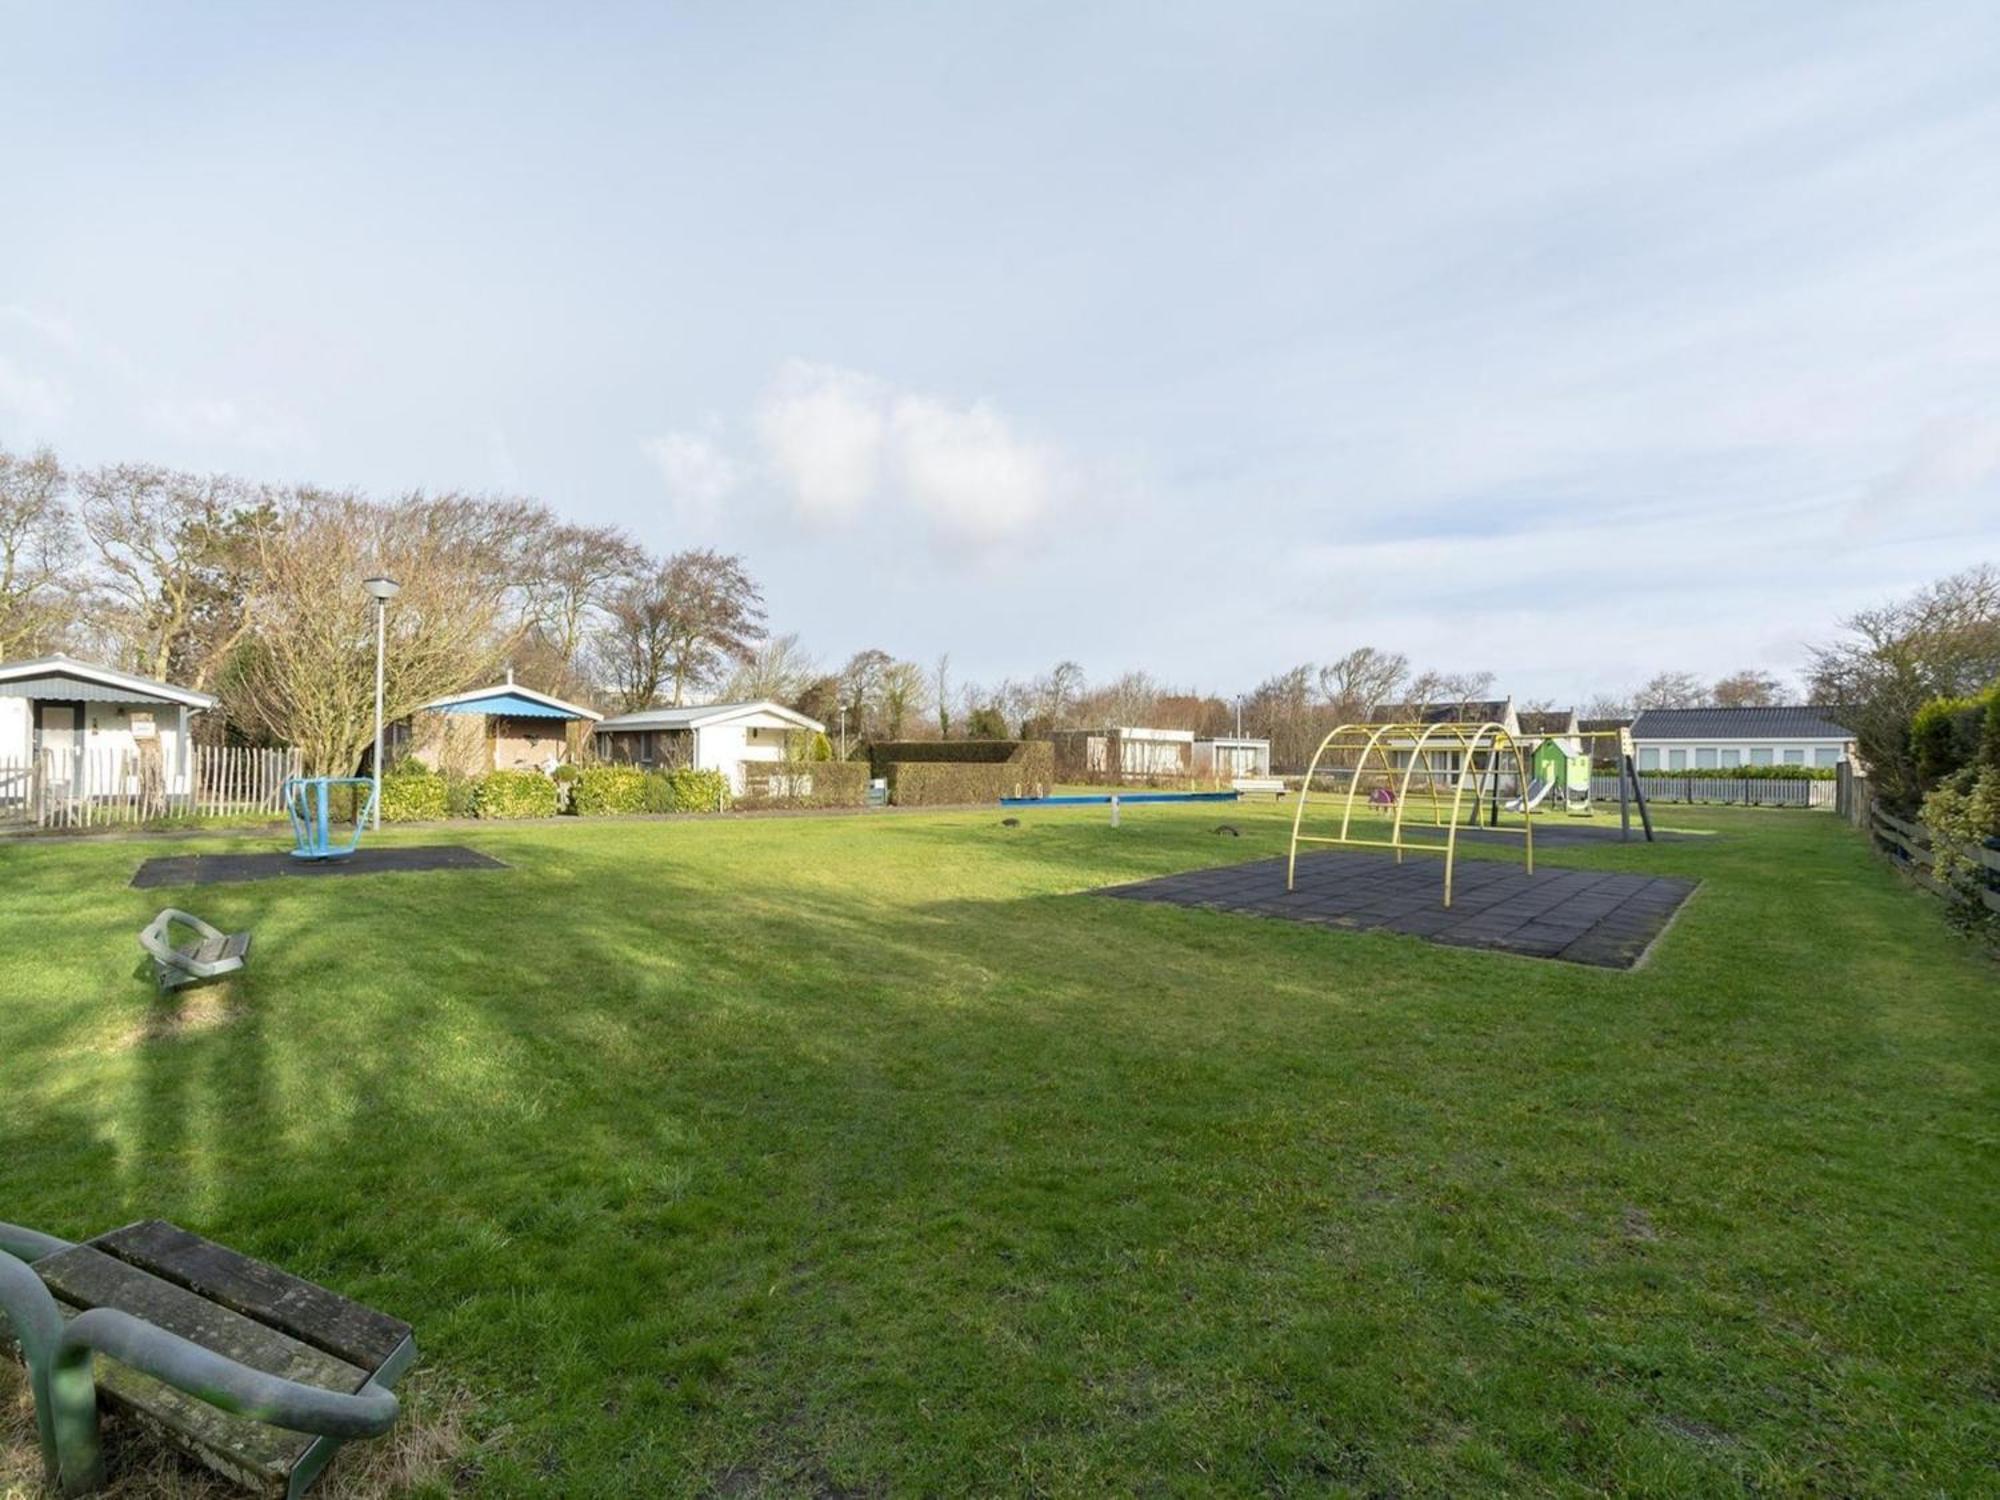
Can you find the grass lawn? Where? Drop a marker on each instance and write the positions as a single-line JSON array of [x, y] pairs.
[[862, 1155]]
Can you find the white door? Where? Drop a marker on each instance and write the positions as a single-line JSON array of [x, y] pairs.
[[60, 739]]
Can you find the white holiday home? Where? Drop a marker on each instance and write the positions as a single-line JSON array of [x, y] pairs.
[[1718, 739], [706, 737], [91, 731]]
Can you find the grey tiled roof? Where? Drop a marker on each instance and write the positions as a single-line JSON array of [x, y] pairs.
[[1778, 723], [1556, 721], [1493, 710]]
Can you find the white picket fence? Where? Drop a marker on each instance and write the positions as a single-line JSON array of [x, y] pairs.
[[1749, 791], [93, 788]]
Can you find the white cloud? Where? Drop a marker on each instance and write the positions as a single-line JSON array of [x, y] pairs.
[[842, 443], [33, 401], [698, 474], [965, 469], [222, 419], [822, 430]]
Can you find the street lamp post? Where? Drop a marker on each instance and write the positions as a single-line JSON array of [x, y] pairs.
[[381, 589]]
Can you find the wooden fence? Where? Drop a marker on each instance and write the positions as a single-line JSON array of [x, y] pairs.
[[1909, 844], [97, 788]]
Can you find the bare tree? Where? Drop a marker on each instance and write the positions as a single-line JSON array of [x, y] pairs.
[[573, 576], [903, 685], [307, 675], [1746, 689], [681, 626], [861, 690], [1943, 641], [1606, 706], [1128, 699], [1283, 708], [177, 555], [632, 643], [1361, 680], [1053, 701], [38, 549], [778, 668], [1672, 690]]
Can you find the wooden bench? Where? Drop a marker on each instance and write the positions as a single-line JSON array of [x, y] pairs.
[[244, 1310]]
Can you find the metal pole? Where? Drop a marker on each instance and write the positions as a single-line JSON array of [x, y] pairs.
[[381, 649]]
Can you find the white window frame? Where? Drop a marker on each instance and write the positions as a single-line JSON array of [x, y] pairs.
[[1704, 758], [1795, 755], [1761, 756], [1826, 757], [1649, 758], [1730, 758], [1677, 759]]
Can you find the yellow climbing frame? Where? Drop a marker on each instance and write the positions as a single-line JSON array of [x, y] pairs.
[[1423, 742]]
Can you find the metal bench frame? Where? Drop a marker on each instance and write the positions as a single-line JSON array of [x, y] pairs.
[[213, 954], [59, 1355]]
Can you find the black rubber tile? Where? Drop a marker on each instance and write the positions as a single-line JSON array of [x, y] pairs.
[[1604, 919]]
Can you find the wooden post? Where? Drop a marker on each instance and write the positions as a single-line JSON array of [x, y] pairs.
[[1639, 796]]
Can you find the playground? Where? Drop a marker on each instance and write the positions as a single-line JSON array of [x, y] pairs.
[[878, 1155]]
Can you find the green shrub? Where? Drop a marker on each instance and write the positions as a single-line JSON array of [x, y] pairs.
[[810, 783], [598, 790], [413, 793], [1945, 736], [458, 796], [686, 790], [513, 794]]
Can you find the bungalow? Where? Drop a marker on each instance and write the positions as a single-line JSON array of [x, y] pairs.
[[505, 727], [1230, 756], [92, 731], [1712, 739], [1123, 754], [707, 736]]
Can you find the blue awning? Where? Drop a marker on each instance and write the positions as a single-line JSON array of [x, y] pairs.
[[513, 705]]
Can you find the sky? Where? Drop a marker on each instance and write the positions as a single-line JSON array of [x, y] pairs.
[[1571, 342]]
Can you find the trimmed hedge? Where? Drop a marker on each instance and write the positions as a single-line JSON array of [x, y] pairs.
[[596, 791], [815, 783], [884, 753], [513, 794], [1028, 770], [686, 791], [413, 793]]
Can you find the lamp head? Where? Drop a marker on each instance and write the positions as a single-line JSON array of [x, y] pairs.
[[382, 588]]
